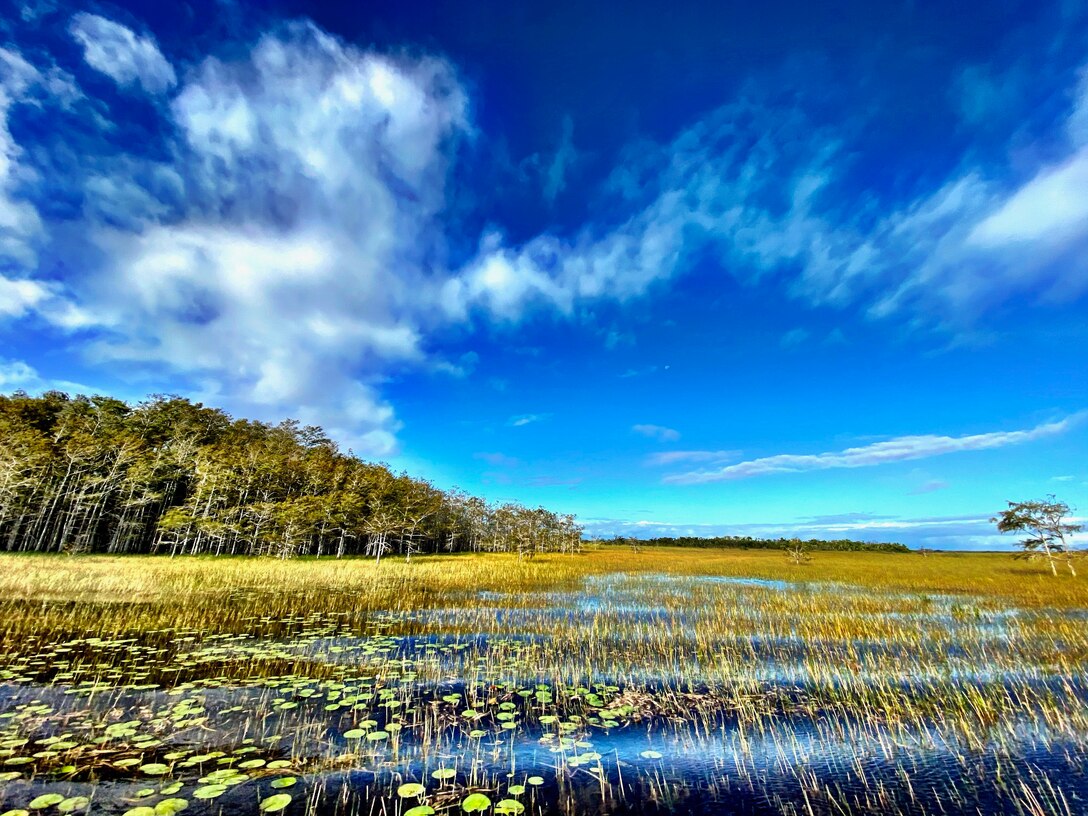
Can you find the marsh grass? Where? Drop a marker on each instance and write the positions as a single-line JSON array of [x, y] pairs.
[[668, 679]]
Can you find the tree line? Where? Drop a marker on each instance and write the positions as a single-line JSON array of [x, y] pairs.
[[95, 474], [750, 543]]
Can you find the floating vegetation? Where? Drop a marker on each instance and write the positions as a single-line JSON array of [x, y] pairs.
[[601, 692]]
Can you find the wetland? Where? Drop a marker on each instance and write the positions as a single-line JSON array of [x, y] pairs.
[[598, 683]]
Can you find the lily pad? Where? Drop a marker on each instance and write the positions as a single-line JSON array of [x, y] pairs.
[[410, 789], [45, 800], [275, 803], [206, 792], [475, 803]]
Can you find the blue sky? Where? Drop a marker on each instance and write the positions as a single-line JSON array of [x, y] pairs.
[[758, 268]]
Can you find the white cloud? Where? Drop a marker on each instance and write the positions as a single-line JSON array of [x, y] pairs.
[[19, 296], [497, 459], [900, 449], [20, 226], [793, 338], [555, 178], [16, 375], [121, 54], [658, 432], [664, 458], [521, 420], [1052, 207], [306, 261], [944, 257]]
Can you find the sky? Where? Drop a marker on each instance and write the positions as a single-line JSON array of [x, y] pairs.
[[778, 268]]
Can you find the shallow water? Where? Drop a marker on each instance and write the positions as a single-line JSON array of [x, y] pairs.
[[631, 694]]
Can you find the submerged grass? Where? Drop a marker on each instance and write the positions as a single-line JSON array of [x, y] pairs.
[[611, 681]]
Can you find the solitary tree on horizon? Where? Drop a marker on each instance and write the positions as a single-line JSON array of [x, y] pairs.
[[1044, 522]]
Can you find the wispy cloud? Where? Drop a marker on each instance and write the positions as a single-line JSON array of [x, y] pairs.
[[900, 449], [943, 256], [555, 481], [16, 375], [555, 179], [497, 459], [793, 338], [642, 372], [664, 458], [121, 54], [931, 486], [521, 420], [658, 432]]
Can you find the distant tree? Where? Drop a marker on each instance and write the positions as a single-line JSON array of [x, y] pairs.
[[1048, 531], [798, 551]]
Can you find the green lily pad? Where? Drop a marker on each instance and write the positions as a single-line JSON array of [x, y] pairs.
[[155, 769], [275, 803], [168, 807], [475, 803], [73, 803], [418, 810], [510, 806], [410, 789], [207, 792], [140, 811], [46, 800], [284, 782]]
